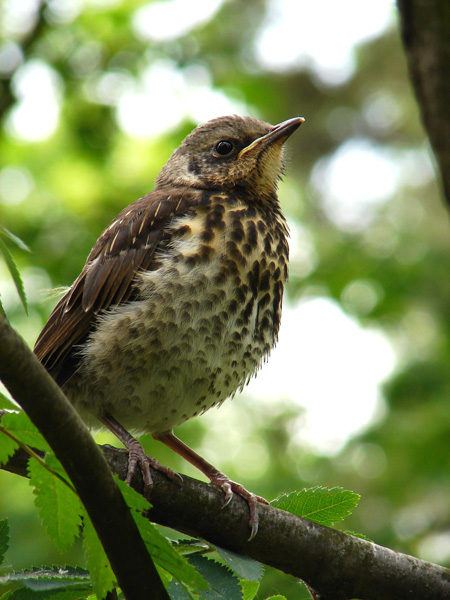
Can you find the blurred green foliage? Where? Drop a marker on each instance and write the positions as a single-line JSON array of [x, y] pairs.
[[58, 194]]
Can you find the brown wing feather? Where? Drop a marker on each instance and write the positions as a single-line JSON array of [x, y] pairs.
[[126, 246]]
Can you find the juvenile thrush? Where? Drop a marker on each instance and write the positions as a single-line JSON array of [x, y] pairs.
[[179, 301]]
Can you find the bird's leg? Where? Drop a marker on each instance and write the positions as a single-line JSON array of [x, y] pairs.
[[216, 477], [137, 455]]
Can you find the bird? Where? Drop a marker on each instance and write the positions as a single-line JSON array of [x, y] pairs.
[[179, 302]]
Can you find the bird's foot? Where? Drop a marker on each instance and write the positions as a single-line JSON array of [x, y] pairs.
[[217, 478], [228, 486], [137, 456]]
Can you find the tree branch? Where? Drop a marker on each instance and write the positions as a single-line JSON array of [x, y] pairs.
[[36, 392], [338, 566], [426, 38]]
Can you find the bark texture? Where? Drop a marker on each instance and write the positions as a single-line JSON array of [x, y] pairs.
[[425, 28], [36, 392]]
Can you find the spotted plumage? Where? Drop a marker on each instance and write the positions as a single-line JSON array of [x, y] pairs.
[[180, 299]]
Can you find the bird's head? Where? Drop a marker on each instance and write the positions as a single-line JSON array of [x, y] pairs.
[[230, 151]]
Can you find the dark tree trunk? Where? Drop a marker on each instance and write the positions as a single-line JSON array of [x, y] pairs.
[[426, 37]]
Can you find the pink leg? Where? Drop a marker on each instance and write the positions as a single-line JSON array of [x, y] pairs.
[[137, 455], [216, 477]]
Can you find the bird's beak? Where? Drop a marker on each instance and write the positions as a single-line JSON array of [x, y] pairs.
[[279, 132]]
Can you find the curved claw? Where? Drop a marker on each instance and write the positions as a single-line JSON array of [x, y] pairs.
[[254, 518], [137, 456], [217, 478], [228, 487], [228, 491], [178, 477], [253, 532]]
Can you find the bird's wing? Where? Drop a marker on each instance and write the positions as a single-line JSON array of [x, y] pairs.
[[126, 246]]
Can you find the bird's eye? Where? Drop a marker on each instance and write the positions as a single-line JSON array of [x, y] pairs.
[[224, 147]]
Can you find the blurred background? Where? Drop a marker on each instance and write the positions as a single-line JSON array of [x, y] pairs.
[[97, 93]]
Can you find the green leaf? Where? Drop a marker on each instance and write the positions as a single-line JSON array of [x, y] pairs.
[[102, 575], [177, 592], [27, 594], [133, 499], [10, 263], [244, 567], [189, 545], [4, 538], [54, 465], [50, 578], [68, 594], [165, 556], [249, 588], [7, 403], [224, 585], [59, 507], [19, 424], [319, 504], [361, 536], [7, 446], [277, 597], [17, 241], [159, 547]]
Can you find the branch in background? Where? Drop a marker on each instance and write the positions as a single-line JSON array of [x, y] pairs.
[[426, 38], [336, 565], [36, 392]]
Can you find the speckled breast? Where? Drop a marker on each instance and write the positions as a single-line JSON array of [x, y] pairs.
[[207, 316]]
